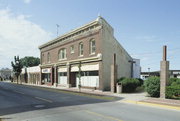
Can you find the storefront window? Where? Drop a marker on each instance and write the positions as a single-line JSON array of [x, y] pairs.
[[47, 78]]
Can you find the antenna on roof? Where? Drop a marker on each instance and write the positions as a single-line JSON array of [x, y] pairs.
[[57, 29], [99, 14]]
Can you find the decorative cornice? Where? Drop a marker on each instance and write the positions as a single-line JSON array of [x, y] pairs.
[[75, 32]]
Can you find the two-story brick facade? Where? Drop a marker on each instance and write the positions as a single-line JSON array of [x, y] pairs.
[[89, 48]]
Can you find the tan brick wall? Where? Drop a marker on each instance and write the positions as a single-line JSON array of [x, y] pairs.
[[109, 47]]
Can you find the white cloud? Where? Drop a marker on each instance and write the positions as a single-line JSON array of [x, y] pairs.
[[27, 1], [19, 36]]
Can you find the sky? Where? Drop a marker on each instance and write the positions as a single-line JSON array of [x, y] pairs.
[[142, 27]]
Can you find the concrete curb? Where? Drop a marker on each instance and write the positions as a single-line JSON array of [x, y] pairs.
[[152, 104], [93, 95]]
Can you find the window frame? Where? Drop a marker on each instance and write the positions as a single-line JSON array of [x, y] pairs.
[[42, 59], [60, 56], [92, 48], [81, 49], [48, 57], [72, 49]]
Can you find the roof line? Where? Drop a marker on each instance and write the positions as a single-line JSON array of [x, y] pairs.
[[69, 33]]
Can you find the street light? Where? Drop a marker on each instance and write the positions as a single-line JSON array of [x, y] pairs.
[[149, 71]]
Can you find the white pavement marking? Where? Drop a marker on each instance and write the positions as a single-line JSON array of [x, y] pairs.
[[18, 92], [50, 101]]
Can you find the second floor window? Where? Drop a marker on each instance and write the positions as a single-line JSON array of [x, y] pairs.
[[62, 53], [42, 59], [48, 57], [92, 46], [72, 49], [81, 49]]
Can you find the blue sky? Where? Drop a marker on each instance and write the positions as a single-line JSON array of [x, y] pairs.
[[141, 26]]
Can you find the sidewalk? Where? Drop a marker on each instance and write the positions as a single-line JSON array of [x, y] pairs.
[[170, 102], [123, 96]]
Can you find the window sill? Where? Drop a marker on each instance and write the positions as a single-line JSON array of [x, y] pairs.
[[81, 55], [92, 54], [62, 59]]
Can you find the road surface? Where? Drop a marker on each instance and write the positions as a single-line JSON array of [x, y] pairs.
[[28, 103]]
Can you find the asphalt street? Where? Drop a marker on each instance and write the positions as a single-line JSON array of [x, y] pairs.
[[28, 103]]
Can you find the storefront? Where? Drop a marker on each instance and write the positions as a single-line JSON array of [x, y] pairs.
[[46, 76], [62, 76], [89, 75]]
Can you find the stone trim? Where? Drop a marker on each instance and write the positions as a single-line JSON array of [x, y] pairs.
[[87, 27], [56, 45]]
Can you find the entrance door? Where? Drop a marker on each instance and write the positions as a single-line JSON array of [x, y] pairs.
[[62, 78]]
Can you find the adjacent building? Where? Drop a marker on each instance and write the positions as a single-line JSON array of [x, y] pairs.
[[172, 74], [136, 68], [5, 73], [30, 75], [89, 50]]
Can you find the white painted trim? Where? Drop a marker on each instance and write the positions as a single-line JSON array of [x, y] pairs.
[[62, 69], [89, 67]]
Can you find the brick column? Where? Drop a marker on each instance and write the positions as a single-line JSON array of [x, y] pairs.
[[40, 77], [164, 74], [113, 74], [68, 75], [100, 73], [52, 79], [55, 76]]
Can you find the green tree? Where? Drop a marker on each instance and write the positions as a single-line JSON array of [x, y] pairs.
[[30, 61], [17, 67]]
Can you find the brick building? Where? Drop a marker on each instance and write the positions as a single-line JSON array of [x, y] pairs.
[[89, 48]]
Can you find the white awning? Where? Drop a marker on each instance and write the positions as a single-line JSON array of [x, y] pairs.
[[85, 67], [62, 69]]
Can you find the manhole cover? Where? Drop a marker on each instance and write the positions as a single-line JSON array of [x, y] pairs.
[[39, 106]]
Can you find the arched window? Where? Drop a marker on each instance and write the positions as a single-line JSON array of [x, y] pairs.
[[80, 49], [92, 47], [62, 53], [48, 57]]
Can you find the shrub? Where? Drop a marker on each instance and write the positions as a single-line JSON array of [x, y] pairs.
[[177, 82], [171, 80], [120, 80], [152, 86], [129, 84], [173, 92], [141, 82]]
